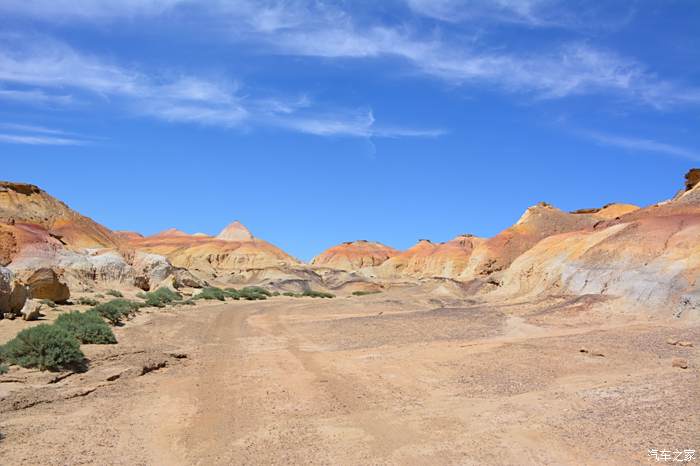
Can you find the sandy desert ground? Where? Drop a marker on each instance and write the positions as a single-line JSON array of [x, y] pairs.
[[392, 378]]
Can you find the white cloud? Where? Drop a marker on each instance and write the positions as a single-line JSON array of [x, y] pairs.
[[39, 140], [315, 28], [530, 12], [87, 9], [643, 145], [34, 97], [50, 65]]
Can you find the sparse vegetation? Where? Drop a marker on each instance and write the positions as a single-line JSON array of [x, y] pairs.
[[249, 293], [252, 293], [3, 369], [88, 301], [187, 302], [317, 294], [116, 310], [141, 295], [44, 347], [115, 293], [88, 327], [161, 297], [309, 294], [212, 292], [364, 293]]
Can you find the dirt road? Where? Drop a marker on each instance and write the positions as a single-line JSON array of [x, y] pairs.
[[371, 380]]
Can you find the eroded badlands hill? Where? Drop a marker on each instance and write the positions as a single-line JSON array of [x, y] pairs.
[[233, 250], [427, 259], [354, 255], [648, 256]]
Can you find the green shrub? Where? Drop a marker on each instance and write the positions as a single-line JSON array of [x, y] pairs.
[[88, 327], [291, 294], [115, 293], [99, 296], [275, 293], [116, 310], [317, 294], [187, 302], [161, 297], [88, 301], [45, 347], [3, 369], [48, 302], [252, 293], [141, 295], [256, 290], [212, 292], [364, 293]]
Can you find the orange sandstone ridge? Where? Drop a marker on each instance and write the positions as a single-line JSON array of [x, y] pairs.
[[354, 255], [27, 204], [427, 259]]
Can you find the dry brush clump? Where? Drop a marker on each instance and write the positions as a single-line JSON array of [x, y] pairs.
[[46, 347], [88, 327]]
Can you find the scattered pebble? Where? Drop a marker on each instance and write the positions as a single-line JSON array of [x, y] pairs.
[[680, 362]]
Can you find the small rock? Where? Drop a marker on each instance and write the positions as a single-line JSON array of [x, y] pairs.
[[672, 341], [30, 311], [45, 283], [680, 362], [583, 350], [687, 344]]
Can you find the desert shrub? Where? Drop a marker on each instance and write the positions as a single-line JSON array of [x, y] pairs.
[[161, 297], [364, 293], [256, 290], [233, 293], [141, 295], [291, 294], [317, 294], [88, 327], [3, 369], [45, 347], [48, 302], [251, 293], [275, 293], [116, 310], [212, 292], [99, 296], [187, 302], [88, 301], [115, 293]]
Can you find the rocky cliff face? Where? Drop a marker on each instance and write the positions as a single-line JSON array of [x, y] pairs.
[[354, 255], [27, 204], [538, 222], [650, 258]]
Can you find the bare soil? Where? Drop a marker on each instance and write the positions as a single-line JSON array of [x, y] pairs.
[[380, 379]]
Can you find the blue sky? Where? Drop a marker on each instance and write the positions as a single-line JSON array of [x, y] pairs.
[[316, 122]]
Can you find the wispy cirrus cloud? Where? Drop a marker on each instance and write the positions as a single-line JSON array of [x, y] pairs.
[[46, 66], [333, 30], [530, 12], [641, 145], [17, 133]]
